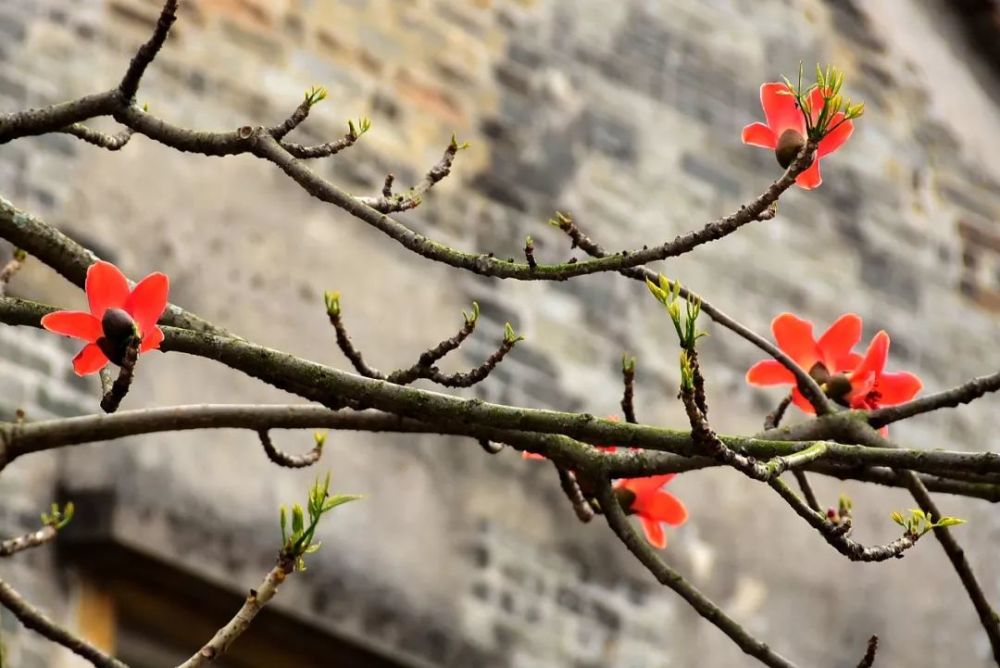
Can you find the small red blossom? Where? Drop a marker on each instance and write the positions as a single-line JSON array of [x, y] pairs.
[[653, 506], [116, 314], [848, 378], [785, 130], [823, 359], [873, 387]]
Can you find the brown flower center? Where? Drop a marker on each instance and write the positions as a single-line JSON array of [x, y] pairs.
[[119, 330], [789, 144]]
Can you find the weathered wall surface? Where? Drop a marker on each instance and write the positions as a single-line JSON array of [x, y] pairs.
[[624, 113]]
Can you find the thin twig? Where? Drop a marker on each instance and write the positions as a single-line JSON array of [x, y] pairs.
[[39, 622], [346, 346], [29, 540], [296, 118], [862, 433], [667, 576], [11, 268], [956, 555], [772, 421], [255, 601], [282, 458], [628, 394], [963, 394], [147, 52], [388, 202], [807, 385], [807, 490], [471, 377], [529, 252], [868, 660], [430, 357], [113, 396], [104, 140], [325, 150], [773, 418], [571, 488], [837, 534], [424, 367]]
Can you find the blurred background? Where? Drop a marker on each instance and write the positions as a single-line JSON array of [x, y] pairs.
[[625, 113]]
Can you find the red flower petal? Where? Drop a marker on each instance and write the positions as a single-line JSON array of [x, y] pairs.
[[769, 372], [77, 324], [850, 362], [795, 337], [663, 507], [148, 300], [647, 485], [874, 360], [89, 360], [836, 343], [895, 388], [106, 288], [758, 134], [654, 533], [810, 178], [834, 140], [780, 109], [152, 340], [800, 400]]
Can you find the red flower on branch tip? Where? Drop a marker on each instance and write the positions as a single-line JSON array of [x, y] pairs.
[[117, 313], [653, 506], [785, 130], [848, 378]]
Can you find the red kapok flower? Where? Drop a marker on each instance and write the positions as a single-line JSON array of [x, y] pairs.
[[825, 359], [872, 386], [785, 130], [644, 498], [116, 314]]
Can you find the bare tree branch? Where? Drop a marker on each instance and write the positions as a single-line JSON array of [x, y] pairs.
[[282, 458], [254, 603], [29, 540], [837, 534], [71, 260], [114, 394], [113, 142], [11, 268], [37, 621], [963, 394], [807, 384], [389, 202], [868, 660], [129, 85], [667, 576]]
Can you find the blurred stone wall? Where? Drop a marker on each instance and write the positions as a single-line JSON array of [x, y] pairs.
[[626, 113]]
